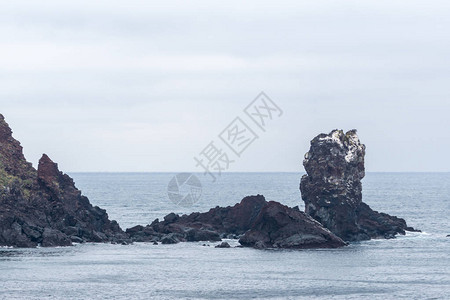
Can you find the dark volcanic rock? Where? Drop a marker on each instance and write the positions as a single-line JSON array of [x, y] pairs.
[[208, 226], [223, 245], [53, 238], [171, 238], [77, 217], [195, 235], [279, 226], [44, 206], [332, 189], [263, 225]]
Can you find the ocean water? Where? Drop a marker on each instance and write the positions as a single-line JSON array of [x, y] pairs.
[[415, 266]]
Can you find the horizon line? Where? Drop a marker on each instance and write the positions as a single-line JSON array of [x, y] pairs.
[[197, 172]]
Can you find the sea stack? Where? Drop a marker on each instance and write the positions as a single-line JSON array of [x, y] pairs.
[[43, 207], [332, 189]]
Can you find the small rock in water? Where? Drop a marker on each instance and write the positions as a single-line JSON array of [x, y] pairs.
[[76, 239], [223, 245], [170, 238]]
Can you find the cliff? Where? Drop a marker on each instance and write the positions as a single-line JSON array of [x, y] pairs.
[[43, 207]]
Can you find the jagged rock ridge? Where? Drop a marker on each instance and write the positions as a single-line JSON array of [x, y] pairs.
[[43, 207], [332, 189], [256, 222]]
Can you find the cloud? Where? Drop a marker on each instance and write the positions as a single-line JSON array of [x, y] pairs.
[[165, 77]]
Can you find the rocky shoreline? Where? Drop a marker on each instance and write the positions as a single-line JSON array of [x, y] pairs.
[[44, 208]]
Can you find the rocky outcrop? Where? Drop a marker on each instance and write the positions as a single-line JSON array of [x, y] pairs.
[[217, 223], [279, 226], [258, 223], [43, 207], [332, 189], [223, 245]]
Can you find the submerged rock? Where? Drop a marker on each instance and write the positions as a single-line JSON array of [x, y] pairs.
[[171, 238], [260, 224], [43, 207], [332, 189], [223, 245]]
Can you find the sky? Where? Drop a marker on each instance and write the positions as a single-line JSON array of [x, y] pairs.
[[137, 86]]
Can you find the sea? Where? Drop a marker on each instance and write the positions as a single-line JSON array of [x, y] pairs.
[[414, 266]]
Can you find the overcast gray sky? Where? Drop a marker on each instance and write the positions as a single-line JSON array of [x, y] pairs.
[[146, 85]]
